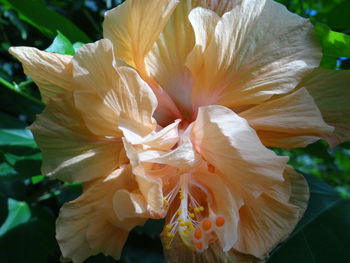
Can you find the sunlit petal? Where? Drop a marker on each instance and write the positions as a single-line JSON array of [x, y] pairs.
[[111, 91], [89, 225], [243, 64], [331, 92], [277, 214], [134, 26], [292, 115], [227, 142], [70, 151], [51, 72]]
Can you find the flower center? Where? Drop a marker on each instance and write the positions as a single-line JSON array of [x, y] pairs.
[[191, 217]]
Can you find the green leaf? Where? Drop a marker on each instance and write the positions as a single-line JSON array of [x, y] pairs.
[[37, 179], [323, 232], [338, 18], [77, 45], [19, 213], [17, 137], [36, 13], [25, 166], [334, 45], [31, 237], [61, 45]]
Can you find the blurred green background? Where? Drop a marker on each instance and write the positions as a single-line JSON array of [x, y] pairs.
[[29, 202]]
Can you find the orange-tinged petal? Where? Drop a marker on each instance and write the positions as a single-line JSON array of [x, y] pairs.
[[277, 210], [178, 253], [278, 220], [51, 72], [300, 193], [89, 224], [137, 101], [70, 151], [183, 156], [152, 190], [140, 151], [292, 115], [243, 63], [228, 143], [134, 26], [129, 205], [108, 91], [96, 77], [288, 141], [166, 61], [229, 209], [220, 7], [331, 92]]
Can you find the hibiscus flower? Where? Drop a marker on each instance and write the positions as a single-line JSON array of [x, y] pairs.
[[169, 116]]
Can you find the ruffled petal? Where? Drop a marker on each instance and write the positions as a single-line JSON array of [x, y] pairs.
[[331, 92], [264, 223], [250, 58], [166, 61], [227, 142], [134, 26], [89, 225], [137, 101], [220, 7], [267, 220], [289, 116], [70, 151], [96, 77], [108, 91], [224, 201], [155, 148], [51, 72], [214, 254], [300, 193], [129, 205]]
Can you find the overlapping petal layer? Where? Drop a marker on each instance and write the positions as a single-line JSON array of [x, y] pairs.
[[228, 143], [237, 60], [51, 72], [106, 89], [71, 152], [90, 224], [289, 121], [331, 92]]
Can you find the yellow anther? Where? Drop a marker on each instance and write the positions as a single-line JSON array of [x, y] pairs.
[[171, 235], [188, 223], [191, 215], [181, 196], [201, 208], [196, 210], [178, 212], [179, 220], [167, 227], [166, 202]]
